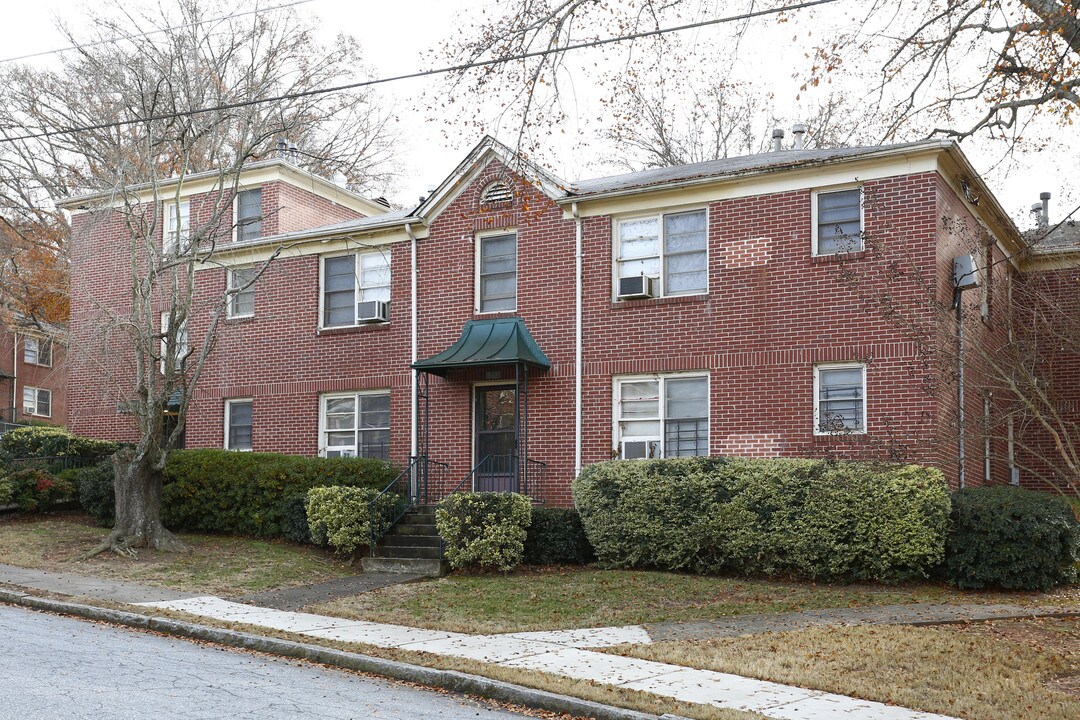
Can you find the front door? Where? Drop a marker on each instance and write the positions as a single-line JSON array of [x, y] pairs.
[[496, 439]]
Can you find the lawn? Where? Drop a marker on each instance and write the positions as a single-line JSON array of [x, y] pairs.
[[557, 598], [1001, 670], [217, 565]]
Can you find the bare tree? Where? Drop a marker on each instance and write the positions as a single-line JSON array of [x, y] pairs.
[[194, 91]]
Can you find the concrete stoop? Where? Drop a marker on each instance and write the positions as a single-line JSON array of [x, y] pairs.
[[412, 547]]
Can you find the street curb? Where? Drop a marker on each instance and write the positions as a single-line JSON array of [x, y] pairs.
[[452, 680]]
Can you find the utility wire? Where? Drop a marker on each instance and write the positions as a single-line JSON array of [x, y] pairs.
[[109, 41], [422, 73]]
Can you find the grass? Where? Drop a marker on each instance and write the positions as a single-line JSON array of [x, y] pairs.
[[217, 565], [998, 670], [560, 598]]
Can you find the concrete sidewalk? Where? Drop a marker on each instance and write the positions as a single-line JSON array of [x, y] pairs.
[[564, 653]]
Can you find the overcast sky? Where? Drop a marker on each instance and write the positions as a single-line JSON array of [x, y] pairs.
[[400, 36]]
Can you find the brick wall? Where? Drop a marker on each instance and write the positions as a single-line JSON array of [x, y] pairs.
[[17, 374]]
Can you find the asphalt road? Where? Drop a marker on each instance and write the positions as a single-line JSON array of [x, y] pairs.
[[59, 668]]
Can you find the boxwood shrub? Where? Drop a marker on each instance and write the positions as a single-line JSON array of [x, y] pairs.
[[96, 491], [36, 442], [341, 516], [294, 517], [1012, 538], [557, 537], [806, 518], [485, 530], [244, 493]]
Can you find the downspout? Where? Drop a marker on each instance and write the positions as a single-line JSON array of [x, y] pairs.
[[414, 401], [960, 385], [14, 376], [578, 336]]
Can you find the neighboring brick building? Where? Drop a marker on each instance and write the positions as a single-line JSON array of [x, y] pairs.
[[33, 374], [783, 304]]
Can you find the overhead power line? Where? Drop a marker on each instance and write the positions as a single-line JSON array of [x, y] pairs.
[[423, 73], [148, 33]]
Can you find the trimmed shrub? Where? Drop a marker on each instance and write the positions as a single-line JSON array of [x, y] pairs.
[[37, 442], [485, 530], [35, 490], [294, 517], [96, 491], [341, 516], [6, 493], [557, 537], [243, 493], [808, 518], [1011, 538]]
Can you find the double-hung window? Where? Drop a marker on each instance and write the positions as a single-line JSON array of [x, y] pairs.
[[37, 351], [179, 350], [37, 401], [356, 425], [671, 248], [177, 226], [497, 273], [249, 214], [840, 399], [241, 292], [238, 424], [662, 416], [837, 221], [349, 280]]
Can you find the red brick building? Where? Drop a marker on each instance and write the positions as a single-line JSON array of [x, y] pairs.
[[33, 374], [515, 327]]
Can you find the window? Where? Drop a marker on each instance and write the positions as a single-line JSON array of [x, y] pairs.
[[671, 248], [180, 349], [840, 399], [497, 281], [249, 214], [238, 424], [37, 351], [837, 221], [37, 402], [352, 279], [242, 288], [177, 226], [665, 416], [356, 425]]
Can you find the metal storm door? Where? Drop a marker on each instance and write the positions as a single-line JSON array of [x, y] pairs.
[[495, 445]]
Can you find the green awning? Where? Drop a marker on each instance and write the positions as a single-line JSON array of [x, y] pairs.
[[505, 341]]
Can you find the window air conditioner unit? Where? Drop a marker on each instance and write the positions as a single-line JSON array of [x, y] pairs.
[[636, 286], [372, 311], [28, 409], [640, 449]]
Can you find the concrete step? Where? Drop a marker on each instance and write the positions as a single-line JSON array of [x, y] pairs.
[[415, 540], [408, 551], [421, 518], [412, 528], [405, 566]]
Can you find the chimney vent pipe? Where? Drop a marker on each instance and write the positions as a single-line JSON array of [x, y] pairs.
[[799, 131], [777, 140], [1044, 219]]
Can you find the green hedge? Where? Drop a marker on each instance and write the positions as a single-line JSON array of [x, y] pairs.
[[557, 537], [484, 530], [1011, 538], [341, 516], [244, 493], [294, 518], [36, 442], [807, 518], [96, 491]]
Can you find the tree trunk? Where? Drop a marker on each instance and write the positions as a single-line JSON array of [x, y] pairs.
[[137, 484]]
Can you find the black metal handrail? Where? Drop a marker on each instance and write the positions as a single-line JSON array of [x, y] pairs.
[[530, 482], [412, 486], [534, 479], [53, 464]]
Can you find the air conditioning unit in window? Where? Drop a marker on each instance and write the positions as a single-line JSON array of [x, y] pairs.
[[372, 311], [636, 286], [640, 449]]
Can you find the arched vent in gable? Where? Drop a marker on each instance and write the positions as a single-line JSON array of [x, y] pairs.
[[497, 193]]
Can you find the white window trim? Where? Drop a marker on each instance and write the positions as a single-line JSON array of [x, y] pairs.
[[37, 353], [384, 250], [817, 404], [170, 243], [658, 282], [814, 217], [477, 244], [236, 210], [228, 286], [616, 398], [323, 397], [181, 350], [37, 401], [228, 416]]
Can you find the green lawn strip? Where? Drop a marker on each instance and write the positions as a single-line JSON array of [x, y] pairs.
[[997, 670], [217, 565], [562, 598]]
